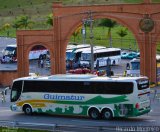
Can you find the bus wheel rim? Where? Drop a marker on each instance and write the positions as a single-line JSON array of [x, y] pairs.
[[94, 115], [107, 114], [28, 110]]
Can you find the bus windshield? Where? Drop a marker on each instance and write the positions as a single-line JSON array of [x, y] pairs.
[[9, 50], [135, 65], [70, 55], [85, 56], [16, 90]]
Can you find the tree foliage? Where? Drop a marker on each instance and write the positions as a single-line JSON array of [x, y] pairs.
[[6, 28], [122, 33], [23, 22], [50, 19], [110, 24], [77, 31]]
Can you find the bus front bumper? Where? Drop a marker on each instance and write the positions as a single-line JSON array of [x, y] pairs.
[[138, 112], [16, 108]]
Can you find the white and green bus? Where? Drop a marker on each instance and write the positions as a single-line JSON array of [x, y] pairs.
[[82, 95]]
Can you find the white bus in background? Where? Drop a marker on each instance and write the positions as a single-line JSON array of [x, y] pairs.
[[101, 55], [69, 47], [11, 52], [82, 95], [133, 67], [75, 54], [72, 50]]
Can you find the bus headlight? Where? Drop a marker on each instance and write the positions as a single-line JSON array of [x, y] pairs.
[[14, 107]]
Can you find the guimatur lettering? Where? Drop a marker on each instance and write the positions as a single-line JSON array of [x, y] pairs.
[[62, 97]]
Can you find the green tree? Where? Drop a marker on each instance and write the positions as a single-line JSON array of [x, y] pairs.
[[24, 22], [76, 33], [16, 24], [110, 24], [50, 20], [6, 28], [122, 33]]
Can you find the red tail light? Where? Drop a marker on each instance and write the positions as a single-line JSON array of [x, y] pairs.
[[137, 106]]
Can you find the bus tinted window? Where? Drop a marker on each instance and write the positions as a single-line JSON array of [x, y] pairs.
[[57, 87], [114, 88], [79, 87], [142, 84], [104, 54], [10, 48]]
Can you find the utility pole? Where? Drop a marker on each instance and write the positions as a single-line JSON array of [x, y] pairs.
[[91, 40], [90, 21], [84, 31]]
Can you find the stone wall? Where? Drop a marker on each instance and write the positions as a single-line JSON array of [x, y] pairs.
[[7, 76]]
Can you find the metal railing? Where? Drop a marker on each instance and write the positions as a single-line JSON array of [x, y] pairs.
[[15, 125]]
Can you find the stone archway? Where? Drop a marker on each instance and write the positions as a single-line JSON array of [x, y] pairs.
[[26, 40], [35, 66], [67, 18]]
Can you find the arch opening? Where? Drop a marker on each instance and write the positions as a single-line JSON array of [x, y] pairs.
[[110, 36], [39, 60]]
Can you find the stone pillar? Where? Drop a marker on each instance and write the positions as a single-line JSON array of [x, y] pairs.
[[20, 56], [59, 55], [148, 58], [148, 48]]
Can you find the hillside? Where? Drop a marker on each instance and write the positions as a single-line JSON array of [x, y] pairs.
[[38, 9]]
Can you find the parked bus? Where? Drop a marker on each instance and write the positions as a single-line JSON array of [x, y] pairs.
[[71, 52], [71, 48], [101, 56], [133, 67], [82, 95], [74, 55], [10, 52]]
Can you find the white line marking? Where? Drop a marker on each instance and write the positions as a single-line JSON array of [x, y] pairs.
[[88, 121], [150, 120]]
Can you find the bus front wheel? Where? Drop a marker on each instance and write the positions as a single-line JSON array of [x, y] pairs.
[[107, 114], [27, 109], [94, 113]]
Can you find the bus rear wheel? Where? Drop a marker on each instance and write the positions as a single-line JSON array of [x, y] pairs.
[[107, 114], [94, 113], [27, 110]]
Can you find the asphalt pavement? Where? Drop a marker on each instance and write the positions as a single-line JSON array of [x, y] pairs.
[[80, 124]]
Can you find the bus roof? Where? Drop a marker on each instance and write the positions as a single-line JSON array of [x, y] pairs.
[[12, 45], [82, 46], [102, 50], [87, 49], [71, 47], [135, 60], [79, 77]]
